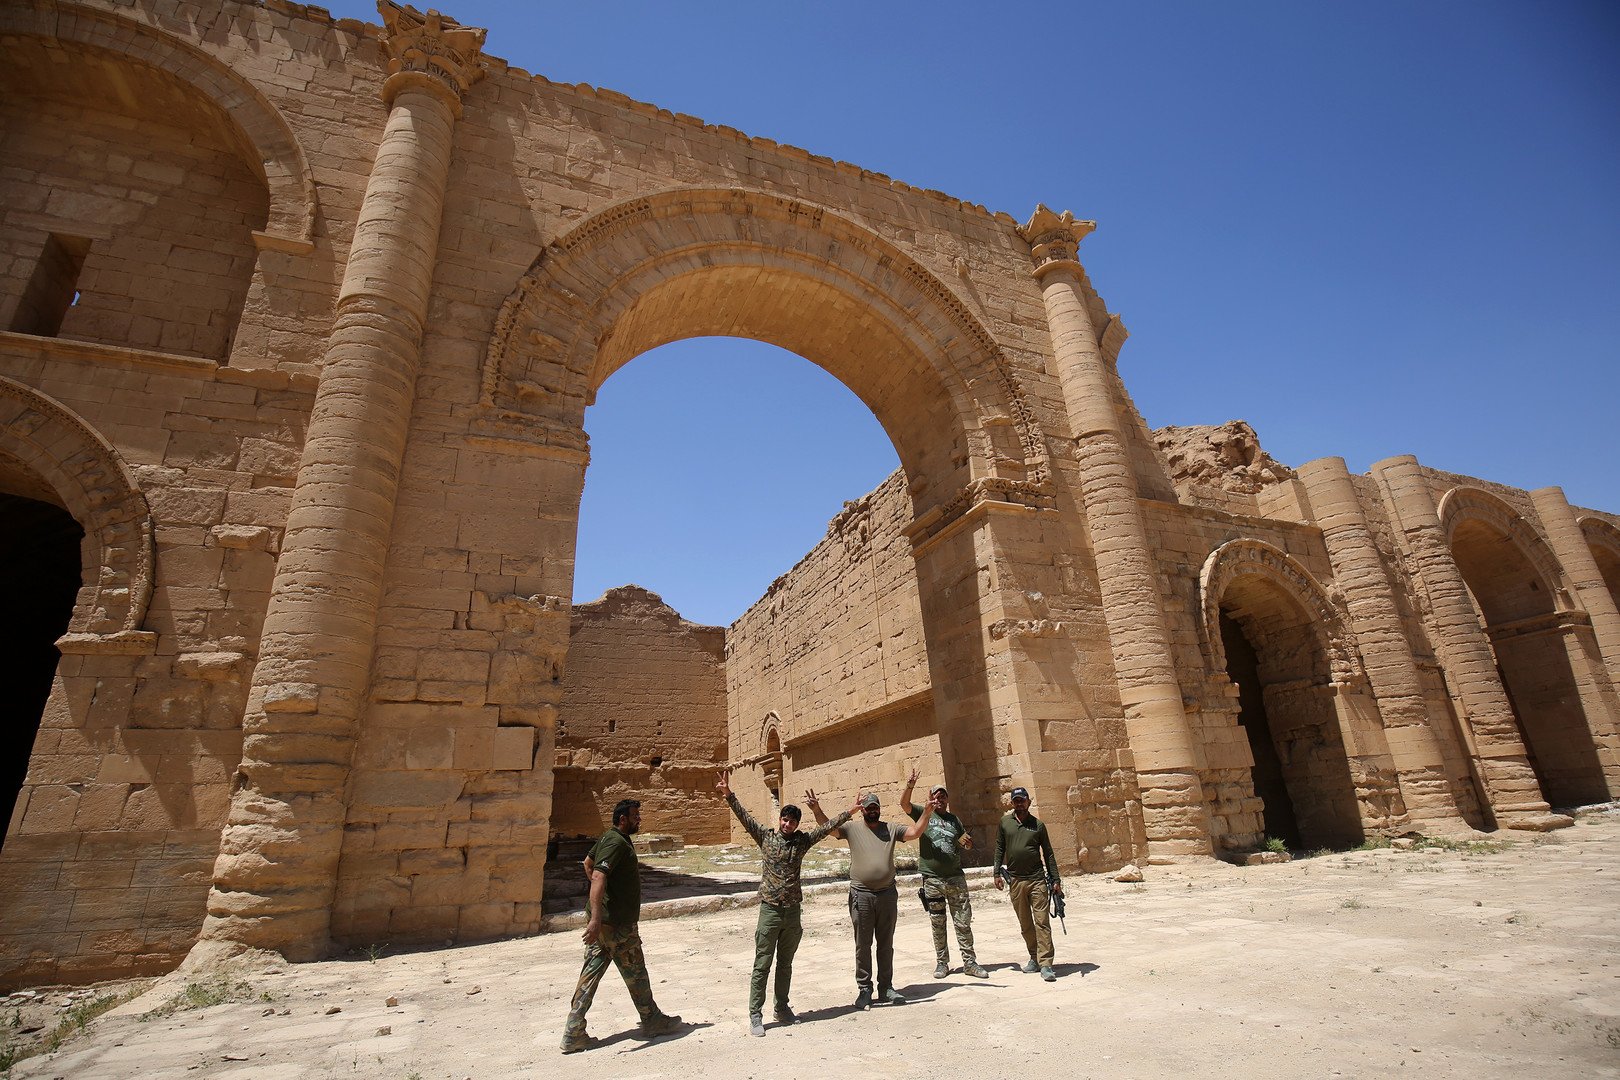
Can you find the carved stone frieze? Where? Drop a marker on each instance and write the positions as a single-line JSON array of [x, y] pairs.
[[1237, 558]]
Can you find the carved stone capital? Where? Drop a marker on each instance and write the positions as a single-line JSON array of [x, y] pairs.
[[1054, 239], [431, 52]]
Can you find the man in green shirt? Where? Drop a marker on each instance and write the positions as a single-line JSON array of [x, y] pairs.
[[1021, 847], [613, 932], [943, 883], [780, 928]]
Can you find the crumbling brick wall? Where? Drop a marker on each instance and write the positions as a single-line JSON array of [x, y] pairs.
[[643, 716]]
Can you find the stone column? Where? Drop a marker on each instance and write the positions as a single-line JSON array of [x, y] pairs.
[[1375, 619], [1167, 758], [1510, 784], [276, 873], [1569, 544]]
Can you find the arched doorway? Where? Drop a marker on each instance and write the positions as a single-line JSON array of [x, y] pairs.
[[1271, 630], [1513, 584], [1286, 708], [736, 263], [39, 577]]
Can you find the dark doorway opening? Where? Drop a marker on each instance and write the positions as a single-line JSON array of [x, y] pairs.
[[1243, 668], [39, 578], [1534, 661]]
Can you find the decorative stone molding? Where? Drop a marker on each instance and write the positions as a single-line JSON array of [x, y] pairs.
[[1462, 504], [431, 52], [276, 153], [1054, 239], [1239, 558], [553, 339], [1027, 628], [56, 447]]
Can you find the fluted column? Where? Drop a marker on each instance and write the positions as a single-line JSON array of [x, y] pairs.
[[276, 873], [1375, 619], [1569, 544], [1167, 757], [1515, 796]]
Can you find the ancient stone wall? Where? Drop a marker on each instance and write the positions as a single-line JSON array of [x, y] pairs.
[[643, 716], [832, 660], [342, 299]]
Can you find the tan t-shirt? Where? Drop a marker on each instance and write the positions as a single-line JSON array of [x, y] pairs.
[[871, 853]]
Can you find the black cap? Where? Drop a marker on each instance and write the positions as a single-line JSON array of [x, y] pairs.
[[1020, 793]]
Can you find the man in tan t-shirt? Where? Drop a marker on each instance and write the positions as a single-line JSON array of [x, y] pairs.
[[874, 903]]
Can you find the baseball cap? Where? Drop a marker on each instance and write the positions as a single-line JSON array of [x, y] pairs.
[[870, 800], [938, 789], [1020, 793]]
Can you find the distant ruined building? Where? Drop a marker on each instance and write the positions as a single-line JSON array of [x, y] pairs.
[[300, 320]]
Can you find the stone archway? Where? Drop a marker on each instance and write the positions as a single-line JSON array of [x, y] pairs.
[[1524, 602], [267, 143], [1604, 540], [688, 263], [743, 263], [73, 466], [78, 542], [1273, 632]]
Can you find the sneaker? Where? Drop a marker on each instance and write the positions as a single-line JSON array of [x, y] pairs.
[[863, 1000], [756, 1025], [973, 969], [1048, 974], [573, 1044], [941, 970], [784, 1015], [892, 996], [1030, 966], [662, 1024]]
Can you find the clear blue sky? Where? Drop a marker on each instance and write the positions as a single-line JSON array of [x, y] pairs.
[[1368, 229]]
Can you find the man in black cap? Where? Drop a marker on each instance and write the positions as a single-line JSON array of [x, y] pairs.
[[874, 903], [943, 883], [1021, 847]]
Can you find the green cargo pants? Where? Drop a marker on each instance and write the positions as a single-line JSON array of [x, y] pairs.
[[776, 934]]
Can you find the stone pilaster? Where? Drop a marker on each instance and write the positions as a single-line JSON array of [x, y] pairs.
[[1375, 619], [277, 870], [1515, 797], [1167, 758], [1569, 544]]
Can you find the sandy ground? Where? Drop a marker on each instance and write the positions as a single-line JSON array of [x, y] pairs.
[[1368, 964]]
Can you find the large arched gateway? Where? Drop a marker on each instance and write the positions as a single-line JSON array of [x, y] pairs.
[[316, 429]]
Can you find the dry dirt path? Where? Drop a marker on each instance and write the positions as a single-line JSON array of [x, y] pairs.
[[1370, 964]]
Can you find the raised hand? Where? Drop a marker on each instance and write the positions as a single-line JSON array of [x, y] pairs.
[[724, 786]]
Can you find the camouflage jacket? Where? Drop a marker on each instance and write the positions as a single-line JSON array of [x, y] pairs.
[[779, 878]]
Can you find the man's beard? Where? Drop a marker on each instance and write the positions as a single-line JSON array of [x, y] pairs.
[[872, 813]]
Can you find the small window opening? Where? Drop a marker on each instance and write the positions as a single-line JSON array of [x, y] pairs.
[[657, 760], [53, 288]]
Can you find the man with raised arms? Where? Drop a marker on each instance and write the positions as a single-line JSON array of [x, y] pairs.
[[779, 929]]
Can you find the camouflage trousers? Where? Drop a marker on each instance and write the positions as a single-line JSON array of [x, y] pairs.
[[619, 945], [954, 891]]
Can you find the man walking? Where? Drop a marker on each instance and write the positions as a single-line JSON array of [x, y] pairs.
[[779, 929], [874, 903], [940, 860], [613, 932], [1021, 846]]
